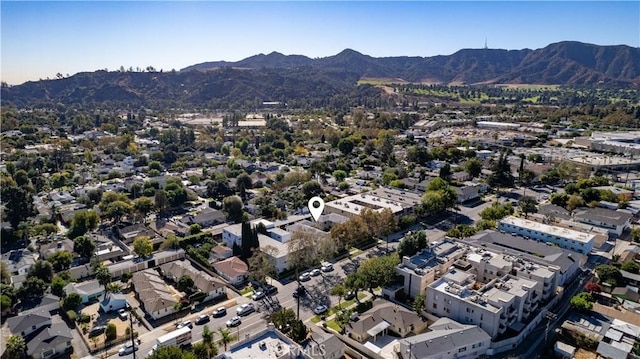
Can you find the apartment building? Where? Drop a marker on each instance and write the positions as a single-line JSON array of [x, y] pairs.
[[615, 222], [562, 237]]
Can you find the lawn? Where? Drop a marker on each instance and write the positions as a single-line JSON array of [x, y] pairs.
[[333, 310], [335, 326]]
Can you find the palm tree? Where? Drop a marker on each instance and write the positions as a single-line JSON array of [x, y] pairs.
[[225, 337], [340, 291], [283, 317]]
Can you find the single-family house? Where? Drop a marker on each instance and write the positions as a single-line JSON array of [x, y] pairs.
[[212, 287], [26, 324], [466, 193], [221, 252], [233, 270], [113, 301], [157, 299], [614, 221], [50, 342], [18, 261], [88, 290], [48, 249], [383, 317], [206, 218]]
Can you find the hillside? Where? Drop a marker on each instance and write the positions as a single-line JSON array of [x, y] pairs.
[[300, 81]]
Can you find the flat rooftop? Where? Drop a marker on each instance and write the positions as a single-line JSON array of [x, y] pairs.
[[266, 346], [552, 230]]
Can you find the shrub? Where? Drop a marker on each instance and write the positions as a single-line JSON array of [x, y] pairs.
[[84, 318], [71, 315], [111, 332]]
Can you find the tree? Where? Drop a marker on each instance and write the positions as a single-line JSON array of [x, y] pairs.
[[171, 352], [592, 287], [497, 211], [18, 205], [582, 301], [118, 209], [608, 274], [631, 266], [345, 145], [5, 275], [501, 175], [185, 283], [160, 200], [5, 303], [298, 331], [142, 246], [42, 270], [84, 246], [283, 318], [419, 303], [243, 183], [348, 233], [57, 286], [225, 337], [144, 206], [171, 242], [412, 244], [473, 167], [233, 206], [16, 347], [635, 234], [32, 287], [111, 332], [60, 260], [311, 189], [340, 291], [195, 229], [339, 175], [461, 231], [71, 301], [261, 264], [445, 172], [574, 202], [103, 276], [528, 205], [378, 271], [301, 249]]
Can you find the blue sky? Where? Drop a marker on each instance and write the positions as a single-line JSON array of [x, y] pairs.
[[40, 39]]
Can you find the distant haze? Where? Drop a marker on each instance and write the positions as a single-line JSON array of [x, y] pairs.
[[41, 39]]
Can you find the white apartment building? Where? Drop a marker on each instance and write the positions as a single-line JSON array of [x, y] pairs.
[[562, 237]]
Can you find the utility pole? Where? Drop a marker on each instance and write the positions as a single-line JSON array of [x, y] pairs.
[[133, 341]]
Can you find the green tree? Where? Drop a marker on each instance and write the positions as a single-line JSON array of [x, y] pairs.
[[582, 301], [461, 231], [473, 167], [378, 271], [142, 246], [144, 206], [631, 266], [171, 352], [497, 211], [71, 301], [243, 183], [42, 270], [84, 246], [340, 291], [32, 287], [161, 201], [283, 318], [339, 175], [195, 229], [57, 286], [111, 332], [16, 347], [412, 244], [419, 303], [171, 242], [233, 206], [445, 172], [528, 205], [103, 276], [225, 337], [312, 189], [185, 283], [298, 331], [18, 205], [5, 303], [345, 145], [5, 275], [608, 274], [635, 234], [261, 264], [60, 260]]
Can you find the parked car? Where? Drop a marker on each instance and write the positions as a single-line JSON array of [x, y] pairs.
[[315, 272], [245, 309], [202, 319], [220, 312], [328, 267], [95, 331], [320, 309], [299, 292], [234, 322], [350, 295], [258, 295], [127, 348], [122, 313], [270, 289], [304, 277], [186, 323]]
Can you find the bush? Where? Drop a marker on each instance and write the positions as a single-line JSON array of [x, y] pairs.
[[111, 332], [84, 318], [71, 315], [125, 277], [364, 306]]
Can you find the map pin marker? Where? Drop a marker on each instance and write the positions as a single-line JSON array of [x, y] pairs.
[[316, 211]]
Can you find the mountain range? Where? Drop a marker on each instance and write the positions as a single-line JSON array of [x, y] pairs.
[[299, 80]]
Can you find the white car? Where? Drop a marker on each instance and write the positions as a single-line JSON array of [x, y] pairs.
[[304, 277], [245, 309], [186, 323], [127, 348], [258, 295], [315, 272], [320, 309], [234, 322], [328, 267], [123, 314]]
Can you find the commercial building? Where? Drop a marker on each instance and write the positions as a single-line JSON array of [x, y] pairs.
[[400, 202], [562, 237]]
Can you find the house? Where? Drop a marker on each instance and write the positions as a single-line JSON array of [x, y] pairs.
[[221, 252], [385, 316], [614, 221], [466, 193], [206, 218], [113, 301], [322, 345], [88, 290], [553, 211], [447, 339], [212, 287], [461, 176], [26, 324], [60, 245], [233, 270], [129, 233], [157, 299], [50, 342], [18, 261]]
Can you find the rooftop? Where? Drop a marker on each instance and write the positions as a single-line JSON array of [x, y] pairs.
[[548, 229]]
